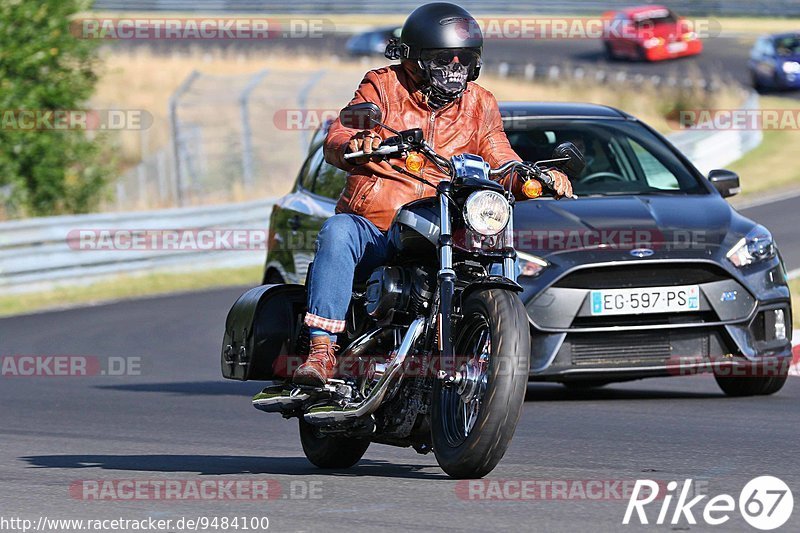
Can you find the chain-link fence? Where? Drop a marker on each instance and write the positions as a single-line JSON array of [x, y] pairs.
[[235, 137]]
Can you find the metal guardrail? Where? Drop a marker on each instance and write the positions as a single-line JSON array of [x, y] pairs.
[[39, 252], [709, 149], [687, 7]]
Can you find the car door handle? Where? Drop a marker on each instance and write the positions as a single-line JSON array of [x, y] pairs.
[[294, 223]]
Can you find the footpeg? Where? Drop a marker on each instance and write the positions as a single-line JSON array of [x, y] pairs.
[[280, 399]]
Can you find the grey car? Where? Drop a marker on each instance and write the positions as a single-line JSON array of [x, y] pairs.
[[649, 273]]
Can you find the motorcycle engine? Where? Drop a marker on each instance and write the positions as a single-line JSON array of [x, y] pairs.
[[394, 289]]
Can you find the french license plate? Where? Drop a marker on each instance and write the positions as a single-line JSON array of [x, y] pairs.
[[674, 48], [646, 300]]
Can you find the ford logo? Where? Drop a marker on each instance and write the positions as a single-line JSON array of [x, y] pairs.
[[642, 252]]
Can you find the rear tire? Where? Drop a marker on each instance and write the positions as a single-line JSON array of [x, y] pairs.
[[326, 451], [495, 324]]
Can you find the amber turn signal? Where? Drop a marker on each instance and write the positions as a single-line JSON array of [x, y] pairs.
[[414, 162], [532, 189]]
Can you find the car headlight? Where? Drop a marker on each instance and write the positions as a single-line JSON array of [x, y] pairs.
[[487, 212], [530, 265], [754, 247], [791, 67]]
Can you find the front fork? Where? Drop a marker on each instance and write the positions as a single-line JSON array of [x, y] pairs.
[[447, 279]]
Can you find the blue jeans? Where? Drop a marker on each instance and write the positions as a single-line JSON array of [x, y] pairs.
[[349, 247]]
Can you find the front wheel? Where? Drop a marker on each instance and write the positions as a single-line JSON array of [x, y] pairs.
[[473, 420]]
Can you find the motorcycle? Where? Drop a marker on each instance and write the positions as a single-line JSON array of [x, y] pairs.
[[436, 351]]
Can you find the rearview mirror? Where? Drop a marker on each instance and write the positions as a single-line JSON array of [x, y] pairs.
[[363, 116], [726, 182], [575, 161]]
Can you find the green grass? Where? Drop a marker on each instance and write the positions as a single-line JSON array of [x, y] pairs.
[[794, 285], [127, 286], [773, 164]]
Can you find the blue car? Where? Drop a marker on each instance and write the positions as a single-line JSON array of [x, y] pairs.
[[775, 62]]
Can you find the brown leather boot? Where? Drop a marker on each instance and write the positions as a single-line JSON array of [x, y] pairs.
[[320, 364]]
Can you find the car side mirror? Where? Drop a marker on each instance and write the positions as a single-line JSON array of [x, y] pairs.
[[362, 116], [575, 162], [726, 182]]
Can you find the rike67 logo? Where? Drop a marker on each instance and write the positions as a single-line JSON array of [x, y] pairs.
[[765, 503]]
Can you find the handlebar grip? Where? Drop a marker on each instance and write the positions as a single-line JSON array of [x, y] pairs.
[[383, 150]]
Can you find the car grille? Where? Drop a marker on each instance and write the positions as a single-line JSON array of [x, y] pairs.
[[639, 275], [643, 348]]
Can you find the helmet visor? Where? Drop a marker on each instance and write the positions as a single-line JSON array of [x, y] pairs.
[[442, 57]]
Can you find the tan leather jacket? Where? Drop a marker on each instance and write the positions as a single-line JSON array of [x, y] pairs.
[[471, 124]]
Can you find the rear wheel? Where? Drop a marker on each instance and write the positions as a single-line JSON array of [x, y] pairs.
[[327, 451], [473, 420]]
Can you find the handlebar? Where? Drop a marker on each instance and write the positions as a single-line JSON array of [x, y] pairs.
[[533, 171]]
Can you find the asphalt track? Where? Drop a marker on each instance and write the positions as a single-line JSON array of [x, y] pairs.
[[724, 57], [175, 419]]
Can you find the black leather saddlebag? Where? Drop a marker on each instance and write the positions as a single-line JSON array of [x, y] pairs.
[[261, 333]]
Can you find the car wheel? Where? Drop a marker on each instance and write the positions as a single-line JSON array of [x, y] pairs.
[[738, 386], [755, 82], [610, 54], [640, 54]]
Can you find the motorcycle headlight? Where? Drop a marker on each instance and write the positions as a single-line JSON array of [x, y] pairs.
[[754, 247], [487, 212], [791, 67]]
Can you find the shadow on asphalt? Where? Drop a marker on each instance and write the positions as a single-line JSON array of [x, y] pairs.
[[546, 392], [229, 465], [192, 388], [537, 392]]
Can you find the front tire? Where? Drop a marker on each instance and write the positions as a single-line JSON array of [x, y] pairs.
[[472, 422], [326, 451]]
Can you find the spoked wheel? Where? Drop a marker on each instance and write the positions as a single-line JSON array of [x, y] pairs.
[[474, 419], [327, 451]]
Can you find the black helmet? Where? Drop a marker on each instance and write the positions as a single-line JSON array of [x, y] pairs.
[[436, 26]]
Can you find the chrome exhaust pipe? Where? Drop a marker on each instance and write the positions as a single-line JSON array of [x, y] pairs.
[[327, 415]]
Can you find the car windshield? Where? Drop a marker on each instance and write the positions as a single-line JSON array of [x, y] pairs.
[[622, 157], [654, 17], [788, 46]]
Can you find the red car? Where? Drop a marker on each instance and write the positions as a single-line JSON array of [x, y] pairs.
[[649, 33]]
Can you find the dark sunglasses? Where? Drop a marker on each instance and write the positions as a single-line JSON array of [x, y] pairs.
[[444, 56]]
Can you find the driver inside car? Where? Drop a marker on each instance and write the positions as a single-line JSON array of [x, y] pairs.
[[432, 88]]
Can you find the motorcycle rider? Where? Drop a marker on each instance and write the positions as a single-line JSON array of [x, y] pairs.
[[433, 88]]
